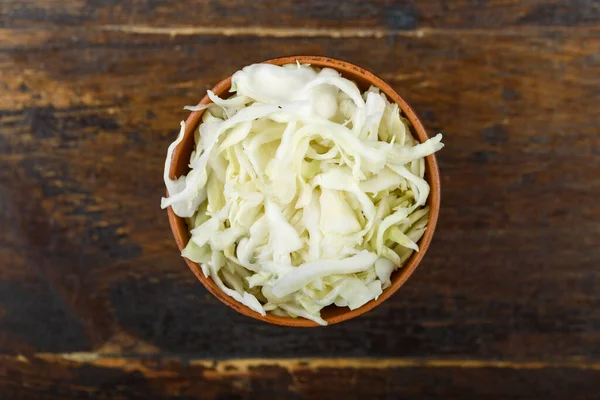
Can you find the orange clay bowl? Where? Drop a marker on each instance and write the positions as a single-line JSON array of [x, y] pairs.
[[332, 314]]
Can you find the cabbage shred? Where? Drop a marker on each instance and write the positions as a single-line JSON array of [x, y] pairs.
[[303, 191]]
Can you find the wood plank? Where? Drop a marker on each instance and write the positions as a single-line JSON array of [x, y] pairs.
[[56, 377], [87, 256], [386, 14]]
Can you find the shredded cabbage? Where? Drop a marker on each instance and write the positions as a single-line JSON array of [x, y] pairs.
[[303, 192]]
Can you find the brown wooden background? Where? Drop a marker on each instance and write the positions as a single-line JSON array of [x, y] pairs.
[[95, 301]]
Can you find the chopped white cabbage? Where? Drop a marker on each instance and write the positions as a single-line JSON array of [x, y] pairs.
[[303, 192], [306, 273]]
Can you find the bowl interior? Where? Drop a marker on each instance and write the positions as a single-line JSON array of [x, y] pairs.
[[332, 314]]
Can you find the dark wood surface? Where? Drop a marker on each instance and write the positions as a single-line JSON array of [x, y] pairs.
[[95, 301]]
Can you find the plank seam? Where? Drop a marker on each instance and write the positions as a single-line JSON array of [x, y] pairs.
[[312, 363], [377, 33]]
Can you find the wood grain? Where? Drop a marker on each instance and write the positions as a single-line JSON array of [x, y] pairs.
[[58, 377], [84, 131], [91, 93], [388, 14]]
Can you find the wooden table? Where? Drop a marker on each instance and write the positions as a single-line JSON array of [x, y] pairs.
[[95, 301]]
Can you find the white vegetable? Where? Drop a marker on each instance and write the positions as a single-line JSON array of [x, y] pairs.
[[283, 238], [308, 272], [384, 269], [337, 216], [196, 108], [303, 192]]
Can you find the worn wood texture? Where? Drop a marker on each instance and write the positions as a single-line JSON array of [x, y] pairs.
[[91, 93], [65, 376], [319, 14]]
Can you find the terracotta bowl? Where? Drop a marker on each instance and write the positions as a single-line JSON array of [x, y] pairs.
[[331, 314]]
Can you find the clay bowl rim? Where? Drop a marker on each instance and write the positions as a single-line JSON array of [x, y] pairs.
[[399, 277]]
